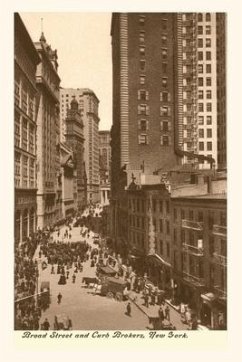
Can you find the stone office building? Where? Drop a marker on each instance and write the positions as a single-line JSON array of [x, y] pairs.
[[26, 60], [48, 132], [199, 255], [75, 140]]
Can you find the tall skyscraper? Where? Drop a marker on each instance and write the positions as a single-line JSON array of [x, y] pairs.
[[26, 59], [168, 97], [48, 136], [143, 92], [88, 105], [200, 48], [75, 140]]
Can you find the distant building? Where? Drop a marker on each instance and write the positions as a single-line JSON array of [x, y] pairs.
[[88, 105], [75, 140], [105, 165], [48, 136], [68, 181], [26, 100]]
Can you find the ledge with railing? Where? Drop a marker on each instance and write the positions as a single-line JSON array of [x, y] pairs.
[[220, 230], [219, 259], [195, 225], [192, 249], [194, 280]]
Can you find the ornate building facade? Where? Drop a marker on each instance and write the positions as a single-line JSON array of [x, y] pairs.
[[26, 60], [75, 140], [48, 132], [88, 107]]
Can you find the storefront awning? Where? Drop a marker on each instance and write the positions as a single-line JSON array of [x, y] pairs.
[[208, 297], [160, 259]]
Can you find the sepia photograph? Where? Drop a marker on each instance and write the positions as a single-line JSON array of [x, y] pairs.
[[120, 171]]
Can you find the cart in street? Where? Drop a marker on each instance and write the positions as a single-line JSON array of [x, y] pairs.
[[113, 288], [90, 281], [106, 271]]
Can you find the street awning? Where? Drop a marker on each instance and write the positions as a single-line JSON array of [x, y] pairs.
[[107, 270], [160, 259], [208, 297]]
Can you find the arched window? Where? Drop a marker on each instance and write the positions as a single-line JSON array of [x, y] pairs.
[[200, 17], [208, 17]]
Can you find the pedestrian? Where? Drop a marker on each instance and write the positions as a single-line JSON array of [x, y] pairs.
[[59, 298], [46, 325], [161, 313], [73, 278], [67, 274], [188, 316], [167, 313], [52, 269], [128, 309], [146, 300]]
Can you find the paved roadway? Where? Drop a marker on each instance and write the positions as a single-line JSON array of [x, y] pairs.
[[87, 310]]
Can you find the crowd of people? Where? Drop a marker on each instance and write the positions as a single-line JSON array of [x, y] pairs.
[[66, 258], [27, 305]]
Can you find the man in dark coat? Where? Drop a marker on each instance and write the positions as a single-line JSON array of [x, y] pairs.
[[128, 309]]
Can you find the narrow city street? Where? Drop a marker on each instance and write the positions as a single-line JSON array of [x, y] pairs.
[[89, 310], [120, 181], [86, 310]]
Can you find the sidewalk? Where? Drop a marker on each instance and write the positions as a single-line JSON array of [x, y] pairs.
[[152, 310]]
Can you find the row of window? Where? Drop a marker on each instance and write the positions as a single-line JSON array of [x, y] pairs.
[[200, 30], [201, 69], [142, 38], [200, 120], [24, 98], [24, 134], [201, 107], [202, 17], [164, 53], [200, 55], [207, 43], [190, 214], [143, 139], [165, 96], [142, 65], [144, 109], [201, 133], [202, 144], [201, 82], [138, 205], [164, 22], [24, 171]]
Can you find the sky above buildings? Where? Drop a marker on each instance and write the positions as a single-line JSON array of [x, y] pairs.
[[83, 43]]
